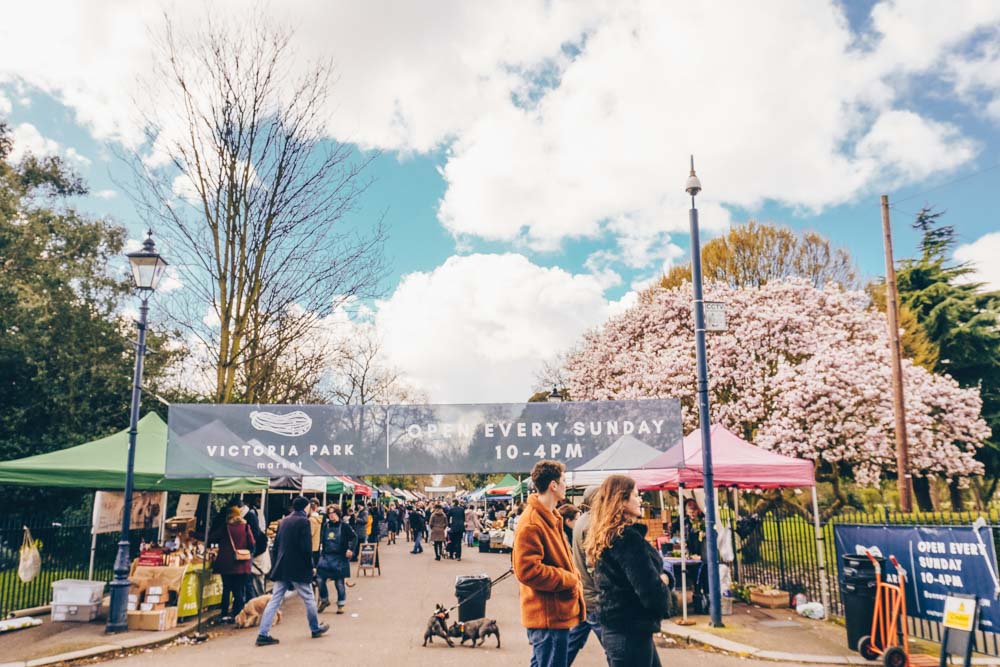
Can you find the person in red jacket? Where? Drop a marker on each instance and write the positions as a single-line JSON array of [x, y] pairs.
[[551, 593], [235, 534]]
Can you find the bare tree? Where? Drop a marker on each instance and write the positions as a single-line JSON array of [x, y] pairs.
[[252, 196], [359, 375]]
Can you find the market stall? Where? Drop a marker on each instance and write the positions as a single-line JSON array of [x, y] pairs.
[[736, 464]]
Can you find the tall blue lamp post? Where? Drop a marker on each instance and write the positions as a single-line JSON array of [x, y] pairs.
[[147, 267], [693, 187]]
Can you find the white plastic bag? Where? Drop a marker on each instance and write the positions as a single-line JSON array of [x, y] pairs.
[[508, 539], [725, 542], [31, 558], [811, 610]]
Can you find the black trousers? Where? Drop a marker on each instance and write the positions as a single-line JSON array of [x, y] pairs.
[[455, 543], [235, 585]]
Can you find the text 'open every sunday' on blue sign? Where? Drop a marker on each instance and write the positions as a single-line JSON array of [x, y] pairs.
[[275, 440], [939, 560]]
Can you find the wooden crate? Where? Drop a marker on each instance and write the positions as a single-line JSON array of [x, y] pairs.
[[774, 599]]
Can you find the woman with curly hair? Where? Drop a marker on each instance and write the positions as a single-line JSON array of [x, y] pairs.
[[629, 574]]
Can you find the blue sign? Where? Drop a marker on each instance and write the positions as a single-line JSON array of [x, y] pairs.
[[939, 561]]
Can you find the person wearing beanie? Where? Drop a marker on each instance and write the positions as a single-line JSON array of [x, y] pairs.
[[232, 536], [292, 571]]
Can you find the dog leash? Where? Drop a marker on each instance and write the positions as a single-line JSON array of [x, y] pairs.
[[493, 583]]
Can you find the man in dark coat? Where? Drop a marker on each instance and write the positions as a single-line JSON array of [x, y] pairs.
[[456, 530], [418, 525], [292, 569]]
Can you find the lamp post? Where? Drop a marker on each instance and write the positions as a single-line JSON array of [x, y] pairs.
[[693, 187], [147, 267], [554, 397]]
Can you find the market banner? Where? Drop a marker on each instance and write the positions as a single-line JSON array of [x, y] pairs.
[[324, 440], [939, 561], [109, 506]]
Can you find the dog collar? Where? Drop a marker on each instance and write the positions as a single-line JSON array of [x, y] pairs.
[[461, 627], [440, 615]]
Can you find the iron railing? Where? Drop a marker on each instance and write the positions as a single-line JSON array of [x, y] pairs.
[[65, 552], [778, 548]]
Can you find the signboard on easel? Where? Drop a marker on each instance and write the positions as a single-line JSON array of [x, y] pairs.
[[368, 560]]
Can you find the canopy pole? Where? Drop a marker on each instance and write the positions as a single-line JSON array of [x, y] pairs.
[[824, 585], [200, 636], [163, 519], [734, 498], [262, 514], [324, 498], [663, 507], [340, 501], [684, 579], [93, 550]]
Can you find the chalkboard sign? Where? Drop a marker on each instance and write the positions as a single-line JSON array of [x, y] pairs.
[[368, 561]]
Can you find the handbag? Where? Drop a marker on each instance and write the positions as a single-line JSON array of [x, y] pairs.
[[508, 539], [239, 554], [31, 558]]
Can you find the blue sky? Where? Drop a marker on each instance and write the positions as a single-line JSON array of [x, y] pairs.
[[532, 162]]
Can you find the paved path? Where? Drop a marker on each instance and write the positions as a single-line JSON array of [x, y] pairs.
[[386, 620]]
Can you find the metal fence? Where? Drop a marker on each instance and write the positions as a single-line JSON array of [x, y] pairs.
[[779, 549], [65, 552]]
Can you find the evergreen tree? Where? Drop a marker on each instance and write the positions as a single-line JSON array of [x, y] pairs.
[[961, 318]]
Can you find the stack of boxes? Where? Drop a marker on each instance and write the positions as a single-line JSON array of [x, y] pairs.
[[76, 600], [147, 606]]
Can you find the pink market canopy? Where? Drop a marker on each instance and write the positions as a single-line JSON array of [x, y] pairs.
[[735, 462]]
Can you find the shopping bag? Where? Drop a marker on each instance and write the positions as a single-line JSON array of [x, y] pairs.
[[31, 558], [508, 539]]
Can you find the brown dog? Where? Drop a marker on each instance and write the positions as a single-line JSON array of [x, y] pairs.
[[253, 610], [436, 626], [475, 630]]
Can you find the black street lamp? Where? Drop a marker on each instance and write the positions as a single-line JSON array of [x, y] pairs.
[[693, 187], [554, 397], [147, 269]]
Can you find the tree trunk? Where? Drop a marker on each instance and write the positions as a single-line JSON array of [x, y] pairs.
[[957, 502], [922, 492]]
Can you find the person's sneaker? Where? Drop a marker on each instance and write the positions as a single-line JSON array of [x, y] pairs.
[[227, 620], [323, 627], [266, 640], [340, 610], [323, 604]]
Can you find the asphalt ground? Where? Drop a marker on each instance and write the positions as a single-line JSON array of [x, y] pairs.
[[385, 621]]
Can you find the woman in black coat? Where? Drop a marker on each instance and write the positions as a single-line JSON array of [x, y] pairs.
[[632, 588], [337, 544]]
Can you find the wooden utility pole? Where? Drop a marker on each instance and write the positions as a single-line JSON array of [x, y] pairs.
[[899, 406]]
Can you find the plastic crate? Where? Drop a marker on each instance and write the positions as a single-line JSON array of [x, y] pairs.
[[77, 591], [78, 613]]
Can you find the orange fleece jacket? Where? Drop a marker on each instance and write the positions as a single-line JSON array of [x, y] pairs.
[[551, 595]]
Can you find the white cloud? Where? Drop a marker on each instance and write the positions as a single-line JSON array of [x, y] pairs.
[[478, 327], [5, 106], [574, 120], [106, 194], [911, 147], [982, 254], [27, 139]]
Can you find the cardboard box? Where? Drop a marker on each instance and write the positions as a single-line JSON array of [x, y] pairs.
[[155, 598], [153, 621], [152, 606]]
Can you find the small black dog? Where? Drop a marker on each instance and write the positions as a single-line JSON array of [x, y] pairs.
[[436, 626], [477, 629]]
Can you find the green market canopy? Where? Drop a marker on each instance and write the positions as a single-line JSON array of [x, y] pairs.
[[100, 465], [508, 486]]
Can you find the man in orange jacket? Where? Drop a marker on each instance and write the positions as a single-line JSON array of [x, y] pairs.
[[551, 593]]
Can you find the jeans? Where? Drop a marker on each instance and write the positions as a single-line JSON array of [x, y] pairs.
[[469, 539], [578, 635], [305, 592], [629, 649], [235, 585], [324, 592], [548, 647], [416, 543]]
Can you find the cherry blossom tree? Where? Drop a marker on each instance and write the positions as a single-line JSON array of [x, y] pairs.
[[800, 370]]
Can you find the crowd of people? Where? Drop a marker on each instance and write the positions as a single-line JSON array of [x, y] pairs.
[[582, 570], [590, 572]]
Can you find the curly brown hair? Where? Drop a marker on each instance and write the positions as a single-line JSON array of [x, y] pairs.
[[608, 517]]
